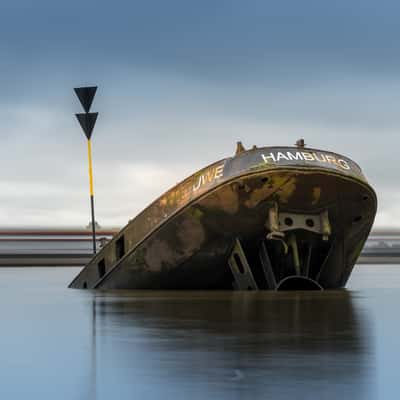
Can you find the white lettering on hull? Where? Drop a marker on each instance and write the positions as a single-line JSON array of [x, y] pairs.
[[209, 176], [321, 158]]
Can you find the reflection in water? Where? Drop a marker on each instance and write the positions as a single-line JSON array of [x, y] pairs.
[[58, 343], [228, 345]]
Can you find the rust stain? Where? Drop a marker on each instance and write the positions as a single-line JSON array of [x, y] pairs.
[[316, 195], [191, 234], [258, 195], [226, 199], [159, 252], [286, 190]]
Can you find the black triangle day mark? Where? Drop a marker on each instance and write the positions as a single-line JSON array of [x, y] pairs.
[[86, 96], [87, 122]]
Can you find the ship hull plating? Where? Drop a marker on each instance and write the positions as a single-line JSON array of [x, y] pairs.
[[287, 213]]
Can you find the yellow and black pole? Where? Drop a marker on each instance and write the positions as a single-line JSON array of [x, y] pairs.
[[91, 194], [87, 120]]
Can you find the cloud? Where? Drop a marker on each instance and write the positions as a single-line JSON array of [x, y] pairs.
[[141, 148], [179, 83]]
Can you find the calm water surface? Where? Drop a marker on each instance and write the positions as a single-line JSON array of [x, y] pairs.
[[59, 343]]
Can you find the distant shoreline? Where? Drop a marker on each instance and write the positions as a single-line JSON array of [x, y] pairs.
[[72, 247]]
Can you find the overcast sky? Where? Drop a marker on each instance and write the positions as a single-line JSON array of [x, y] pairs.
[[179, 83]]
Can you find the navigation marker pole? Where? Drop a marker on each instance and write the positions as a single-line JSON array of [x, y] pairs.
[[87, 120]]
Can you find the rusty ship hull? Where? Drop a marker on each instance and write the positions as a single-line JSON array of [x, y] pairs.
[[268, 218]]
